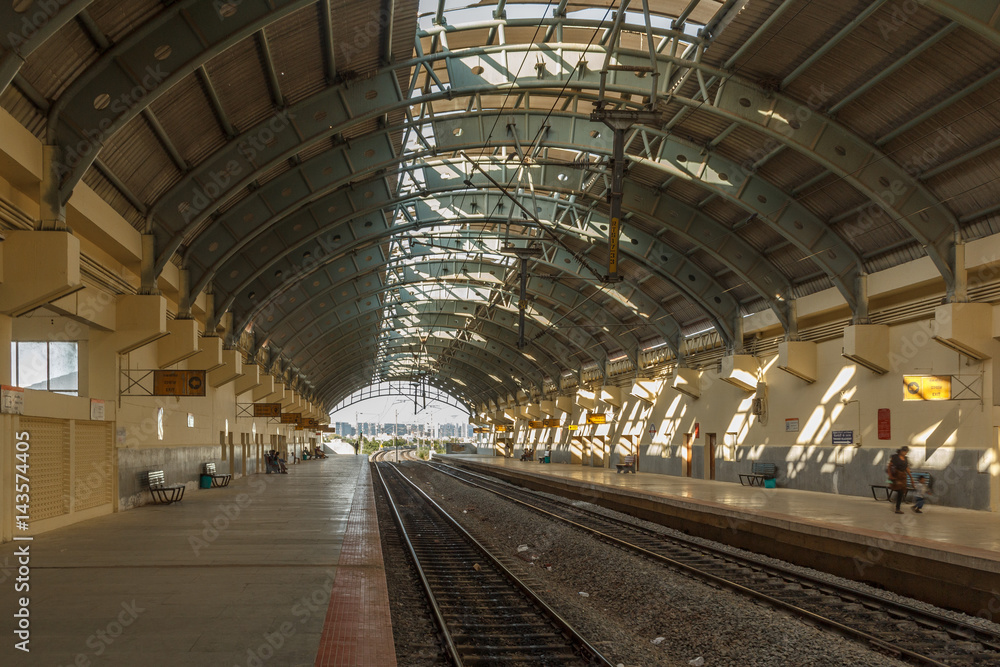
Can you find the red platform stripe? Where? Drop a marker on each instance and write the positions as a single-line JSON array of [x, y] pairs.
[[358, 627]]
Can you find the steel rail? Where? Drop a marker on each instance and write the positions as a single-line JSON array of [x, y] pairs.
[[968, 631], [589, 652]]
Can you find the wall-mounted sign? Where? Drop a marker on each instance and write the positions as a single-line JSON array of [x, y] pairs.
[[267, 409], [572, 427], [178, 383], [291, 417], [843, 437], [884, 424], [96, 410], [926, 387], [535, 423], [12, 400], [549, 423], [792, 425], [597, 418]]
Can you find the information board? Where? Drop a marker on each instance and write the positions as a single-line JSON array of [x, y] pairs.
[[291, 417], [843, 437], [926, 387], [597, 418], [267, 409], [178, 383], [884, 424]]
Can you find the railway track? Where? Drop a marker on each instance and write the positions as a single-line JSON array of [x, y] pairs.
[[485, 614], [909, 633]]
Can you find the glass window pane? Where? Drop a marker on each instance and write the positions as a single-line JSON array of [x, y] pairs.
[[13, 363], [63, 367], [32, 367]]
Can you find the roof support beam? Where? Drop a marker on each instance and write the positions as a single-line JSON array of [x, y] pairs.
[[161, 136], [329, 56], [216, 103], [272, 75], [830, 43]]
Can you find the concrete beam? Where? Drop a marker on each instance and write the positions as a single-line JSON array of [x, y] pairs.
[[38, 267], [181, 344], [209, 355], [232, 368]]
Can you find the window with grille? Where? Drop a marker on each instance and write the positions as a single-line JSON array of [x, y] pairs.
[[46, 366]]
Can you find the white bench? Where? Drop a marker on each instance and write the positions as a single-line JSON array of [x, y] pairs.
[[217, 479], [160, 491], [627, 465]]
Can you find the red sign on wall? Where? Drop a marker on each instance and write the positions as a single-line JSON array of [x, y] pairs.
[[884, 424]]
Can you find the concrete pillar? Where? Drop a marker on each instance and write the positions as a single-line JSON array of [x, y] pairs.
[[52, 212]]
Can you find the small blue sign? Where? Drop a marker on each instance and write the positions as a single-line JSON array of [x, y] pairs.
[[843, 437]]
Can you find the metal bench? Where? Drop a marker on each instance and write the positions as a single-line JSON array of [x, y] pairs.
[[885, 491], [759, 473], [627, 465], [217, 479], [160, 491]]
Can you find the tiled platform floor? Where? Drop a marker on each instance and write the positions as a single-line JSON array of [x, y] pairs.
[[970, 532], [233, 576]]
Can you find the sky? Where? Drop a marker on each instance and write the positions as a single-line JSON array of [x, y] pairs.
[[384, 410]]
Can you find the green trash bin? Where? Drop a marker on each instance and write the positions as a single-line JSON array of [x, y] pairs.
[[770, 484], [206, 481]]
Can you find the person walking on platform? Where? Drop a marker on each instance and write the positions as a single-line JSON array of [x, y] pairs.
[[898, 471]]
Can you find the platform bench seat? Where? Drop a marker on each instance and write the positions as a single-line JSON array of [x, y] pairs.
[[884, 491], [161, 492], [759, 473], [627, 465], [217, 479]]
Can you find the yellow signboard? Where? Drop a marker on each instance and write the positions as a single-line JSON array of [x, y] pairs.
[[597, 418], [535, 424], [572, 427], [291, 417], [926, 387], [178, 383], [550, 422], [501, 428], [267, 409]]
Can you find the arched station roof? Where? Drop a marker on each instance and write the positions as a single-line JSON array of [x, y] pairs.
[[348, 178]]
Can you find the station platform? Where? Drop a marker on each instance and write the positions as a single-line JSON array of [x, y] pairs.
[[272, 570], [945, 556]]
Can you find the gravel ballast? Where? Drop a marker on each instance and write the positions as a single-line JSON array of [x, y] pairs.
[[636, 612]]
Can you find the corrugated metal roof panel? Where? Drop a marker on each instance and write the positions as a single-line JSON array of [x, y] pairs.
[[239, 80], [831, 197], [117, 19], [953, 63], [188, 119], [869, 48], [58, 61], [23, 111], [297, 53], [135, 155], [965, 189]]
